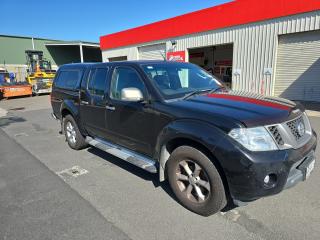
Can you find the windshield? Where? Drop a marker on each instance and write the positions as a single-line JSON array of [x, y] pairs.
[[176, 80]]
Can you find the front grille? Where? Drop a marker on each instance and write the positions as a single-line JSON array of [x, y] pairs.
[[292, 134], [276, 135], [293, 128]]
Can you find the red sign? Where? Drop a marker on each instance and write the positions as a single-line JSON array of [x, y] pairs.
[[176, 56]]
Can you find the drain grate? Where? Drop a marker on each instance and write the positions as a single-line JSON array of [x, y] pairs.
[[73, 172]]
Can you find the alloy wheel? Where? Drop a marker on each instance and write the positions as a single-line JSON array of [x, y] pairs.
[[193, 181], [71, 133]]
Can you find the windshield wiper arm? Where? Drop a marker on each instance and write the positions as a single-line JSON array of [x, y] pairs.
[[196, 93], [217, 89]]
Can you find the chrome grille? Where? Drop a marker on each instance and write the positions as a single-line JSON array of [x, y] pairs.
[[291, 134], [276, 135], [293, 128]]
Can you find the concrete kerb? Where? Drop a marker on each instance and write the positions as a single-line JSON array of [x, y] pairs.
[[313, 113]]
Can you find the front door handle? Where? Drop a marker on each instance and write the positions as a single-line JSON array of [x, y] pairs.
[[110, 108], [84, 102]]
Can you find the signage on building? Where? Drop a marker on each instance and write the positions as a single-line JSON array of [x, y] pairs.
[[176, 56]]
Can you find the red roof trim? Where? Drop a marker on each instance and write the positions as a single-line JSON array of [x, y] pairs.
[[226, 15]]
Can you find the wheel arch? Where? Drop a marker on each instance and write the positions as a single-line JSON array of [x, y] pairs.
[[197, 134], [68, 108], [65, 112]]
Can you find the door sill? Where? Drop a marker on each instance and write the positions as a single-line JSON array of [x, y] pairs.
[[125, 154]]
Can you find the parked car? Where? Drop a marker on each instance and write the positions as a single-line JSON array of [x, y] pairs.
[[215, 146]]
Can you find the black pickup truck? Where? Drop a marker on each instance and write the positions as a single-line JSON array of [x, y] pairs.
[[215, 146]]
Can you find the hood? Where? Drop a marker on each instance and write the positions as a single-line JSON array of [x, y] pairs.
[[248, 108]]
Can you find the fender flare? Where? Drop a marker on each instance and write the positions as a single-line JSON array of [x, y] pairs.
[[74, 110], [197, 131], [70, 107]]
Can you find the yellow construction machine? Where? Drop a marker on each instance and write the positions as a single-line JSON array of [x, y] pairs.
[[40, 74]]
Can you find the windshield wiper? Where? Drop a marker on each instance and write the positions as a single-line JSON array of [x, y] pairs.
[[217, 89], [196, 93]]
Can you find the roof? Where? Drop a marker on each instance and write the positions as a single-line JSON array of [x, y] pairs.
[[17, 36], [134, 62], [76, 65], [54, 41], [230, 14], [73, 43]]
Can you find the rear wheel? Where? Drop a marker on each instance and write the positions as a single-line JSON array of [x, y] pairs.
[[195, 181], [73, 135]]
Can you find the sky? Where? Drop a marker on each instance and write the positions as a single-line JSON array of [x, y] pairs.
[[90, 19]]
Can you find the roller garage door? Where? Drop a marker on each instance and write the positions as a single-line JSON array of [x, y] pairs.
[[153, 52], [298, 67]]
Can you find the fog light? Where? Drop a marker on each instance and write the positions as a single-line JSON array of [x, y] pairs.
[[270, 180]]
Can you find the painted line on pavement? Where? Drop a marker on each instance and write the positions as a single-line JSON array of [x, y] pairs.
[[3, 112]]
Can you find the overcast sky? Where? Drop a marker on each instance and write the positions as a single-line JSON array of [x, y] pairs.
[[90, 19]]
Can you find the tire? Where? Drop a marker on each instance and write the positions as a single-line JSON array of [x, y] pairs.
[[189, 170], [72, 133]]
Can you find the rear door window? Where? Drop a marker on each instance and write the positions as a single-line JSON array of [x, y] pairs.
[[68, 79], [98, 81]]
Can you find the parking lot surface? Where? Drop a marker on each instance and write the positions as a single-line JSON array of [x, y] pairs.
[[131, 203]]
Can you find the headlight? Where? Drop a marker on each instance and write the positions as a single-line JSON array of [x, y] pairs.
[[254, 139]]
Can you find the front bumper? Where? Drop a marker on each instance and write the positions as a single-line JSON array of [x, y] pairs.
[[245, 171], [298, 171]]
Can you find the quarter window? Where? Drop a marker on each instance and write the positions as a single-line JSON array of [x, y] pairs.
[[125, 77], [68, 79]]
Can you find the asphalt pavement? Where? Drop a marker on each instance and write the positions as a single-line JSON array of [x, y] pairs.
[[101, 190], [36, 204]]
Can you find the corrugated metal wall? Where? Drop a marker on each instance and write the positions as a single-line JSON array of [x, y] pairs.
[[298, 66], [12, 49], [153, 52], [255, 48]]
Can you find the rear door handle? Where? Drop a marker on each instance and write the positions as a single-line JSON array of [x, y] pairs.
[[85, 102], [110, 108]]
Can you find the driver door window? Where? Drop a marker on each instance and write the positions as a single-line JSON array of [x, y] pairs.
[[125, 77]]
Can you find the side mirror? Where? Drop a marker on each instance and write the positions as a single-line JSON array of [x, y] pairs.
[[131, 95]]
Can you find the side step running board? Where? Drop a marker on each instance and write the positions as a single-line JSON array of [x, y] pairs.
[[124, 154]]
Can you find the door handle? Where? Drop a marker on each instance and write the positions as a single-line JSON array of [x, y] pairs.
[[85, 102], [110, 108]]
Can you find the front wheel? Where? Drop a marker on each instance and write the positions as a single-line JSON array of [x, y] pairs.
[[73, 135], [195, 181]]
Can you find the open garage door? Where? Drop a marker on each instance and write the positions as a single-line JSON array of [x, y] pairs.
[[153, 52], [118, 59], [298, 67], [217, 60]]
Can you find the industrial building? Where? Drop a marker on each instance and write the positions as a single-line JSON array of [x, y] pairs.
[[271, 47], [58, 52]]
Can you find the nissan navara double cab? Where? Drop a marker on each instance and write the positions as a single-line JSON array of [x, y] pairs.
[[212, 144]]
